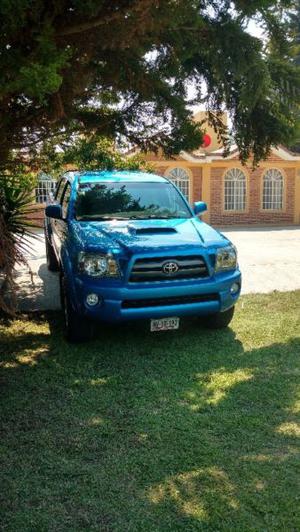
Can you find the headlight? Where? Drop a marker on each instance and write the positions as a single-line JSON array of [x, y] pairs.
[[98, 265], [226, 259]]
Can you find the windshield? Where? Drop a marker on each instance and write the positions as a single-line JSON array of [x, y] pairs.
[[129, 200]]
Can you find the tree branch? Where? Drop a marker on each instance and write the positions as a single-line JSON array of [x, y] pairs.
[[101, 21], [85, 26]]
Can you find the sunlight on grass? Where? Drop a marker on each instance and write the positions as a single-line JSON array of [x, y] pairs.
[[190, 491], [21, 327], [95, 421], [295, 408], [99, 382], [260, 485], [214, 387], [31, 357], [257, 458], [8, 365], [289, 429], [222, 381], [142, 437], [272, 456]]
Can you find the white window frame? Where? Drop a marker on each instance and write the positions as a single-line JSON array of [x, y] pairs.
[[181, 178], [235, 190], [45, 185], [273, 190]]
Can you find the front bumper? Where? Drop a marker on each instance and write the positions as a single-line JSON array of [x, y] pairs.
[[118, 303]]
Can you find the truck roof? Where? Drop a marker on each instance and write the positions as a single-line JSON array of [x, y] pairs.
[[117, 176]]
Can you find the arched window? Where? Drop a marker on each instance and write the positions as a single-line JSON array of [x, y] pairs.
[[273, 190], [180, 178], [234, 190]]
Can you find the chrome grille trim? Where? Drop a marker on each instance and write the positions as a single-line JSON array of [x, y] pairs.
[[149, 269]]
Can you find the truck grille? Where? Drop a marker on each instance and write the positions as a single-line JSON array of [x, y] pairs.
[[166, 301], [168, 269]]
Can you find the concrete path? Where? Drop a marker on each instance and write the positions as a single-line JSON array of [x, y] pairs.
[[40, 289], [269, 260]]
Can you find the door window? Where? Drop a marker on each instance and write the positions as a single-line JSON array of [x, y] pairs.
[[59, 189], [65, 199]]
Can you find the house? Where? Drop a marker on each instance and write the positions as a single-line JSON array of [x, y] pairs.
[[236, 194]]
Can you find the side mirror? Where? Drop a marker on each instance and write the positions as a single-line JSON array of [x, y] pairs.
[[199, 207], [54, 211]]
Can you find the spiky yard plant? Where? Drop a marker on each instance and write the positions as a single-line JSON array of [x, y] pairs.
[[16, 232]]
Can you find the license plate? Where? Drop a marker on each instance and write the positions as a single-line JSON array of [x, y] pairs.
[[165, 324]]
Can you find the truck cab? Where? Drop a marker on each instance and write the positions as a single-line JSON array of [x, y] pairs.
[[128, 246]]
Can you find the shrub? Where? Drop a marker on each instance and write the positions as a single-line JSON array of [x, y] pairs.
[[16, 232]]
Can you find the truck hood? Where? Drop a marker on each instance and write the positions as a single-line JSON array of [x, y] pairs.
[[144, 236]]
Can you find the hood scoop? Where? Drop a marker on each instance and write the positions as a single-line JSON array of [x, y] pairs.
[[152, 230]]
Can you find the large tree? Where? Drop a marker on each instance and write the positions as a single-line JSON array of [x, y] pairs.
[[294, 30], [122, 69]]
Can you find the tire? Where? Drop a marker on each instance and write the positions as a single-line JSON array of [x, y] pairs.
[[52, 262], [219, 320], [78, 329]]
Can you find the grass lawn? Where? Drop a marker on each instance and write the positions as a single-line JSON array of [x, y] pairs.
[[184, 430]]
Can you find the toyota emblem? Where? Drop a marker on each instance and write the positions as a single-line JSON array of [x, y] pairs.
[[170, 268]]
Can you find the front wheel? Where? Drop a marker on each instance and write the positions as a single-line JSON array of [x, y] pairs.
[[77, 328], [220, 320]]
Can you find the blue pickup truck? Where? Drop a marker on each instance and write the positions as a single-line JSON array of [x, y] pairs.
[[128, 246]]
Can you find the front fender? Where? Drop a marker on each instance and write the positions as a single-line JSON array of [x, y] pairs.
[[68, 274]]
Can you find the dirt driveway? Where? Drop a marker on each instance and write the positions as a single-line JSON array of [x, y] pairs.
[[269, 259]]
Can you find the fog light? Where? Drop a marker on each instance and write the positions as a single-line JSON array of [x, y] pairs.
[[234, 288], [92, 299]]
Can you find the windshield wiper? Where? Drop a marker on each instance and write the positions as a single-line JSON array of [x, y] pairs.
[[151, 217], [95, 218], [87, 218]]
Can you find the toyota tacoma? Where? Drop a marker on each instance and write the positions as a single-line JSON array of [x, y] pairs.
[[128, 247]]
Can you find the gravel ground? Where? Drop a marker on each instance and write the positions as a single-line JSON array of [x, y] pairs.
[[269, 259]]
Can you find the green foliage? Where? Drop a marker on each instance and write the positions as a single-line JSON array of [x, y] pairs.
[[21, 180], [91, 152], [122, 70], [294, 26], [15, 229], [294, 43], [35, 76], [98, 153]]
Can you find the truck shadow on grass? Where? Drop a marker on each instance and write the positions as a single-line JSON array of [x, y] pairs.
[[184, 430]]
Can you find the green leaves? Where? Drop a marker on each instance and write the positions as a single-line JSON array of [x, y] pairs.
[[124, 69], [39, 80], [37, 74], [16, 193], [96, 153]]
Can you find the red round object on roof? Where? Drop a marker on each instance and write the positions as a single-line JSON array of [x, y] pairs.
[[206, 141]]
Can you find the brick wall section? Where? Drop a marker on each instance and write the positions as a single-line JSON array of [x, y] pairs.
[[271, 158], [159, 170], [253, 213], [37, 217], [197, 183]]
